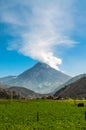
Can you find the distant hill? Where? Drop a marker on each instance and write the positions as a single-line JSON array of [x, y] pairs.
[[24, 92], [76, 89], [3, 86], [7, 79], [17, 93], [70, 81], [41, 78]]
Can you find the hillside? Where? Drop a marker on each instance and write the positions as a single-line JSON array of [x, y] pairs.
[[17, 93], [76, 89], [70, 81], [23, 92], [7, 79]]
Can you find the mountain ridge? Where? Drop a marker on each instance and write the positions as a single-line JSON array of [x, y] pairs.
[[76, 89], [70, 81], [41, 78]]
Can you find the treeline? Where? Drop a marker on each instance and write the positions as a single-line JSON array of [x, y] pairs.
[[7, 94]]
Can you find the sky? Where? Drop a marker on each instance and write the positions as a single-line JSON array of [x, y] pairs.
[[48, 31]]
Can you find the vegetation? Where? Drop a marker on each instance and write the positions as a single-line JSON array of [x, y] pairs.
[[42, 115]]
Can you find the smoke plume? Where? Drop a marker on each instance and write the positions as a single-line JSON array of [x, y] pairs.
[[41, 25]]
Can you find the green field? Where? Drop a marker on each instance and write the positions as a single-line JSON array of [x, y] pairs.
[[41, 115]]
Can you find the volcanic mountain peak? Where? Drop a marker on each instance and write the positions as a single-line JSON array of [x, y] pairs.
[[41, 78], [43, 65]]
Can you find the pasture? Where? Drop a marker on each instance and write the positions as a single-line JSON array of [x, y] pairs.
[[42, 115]]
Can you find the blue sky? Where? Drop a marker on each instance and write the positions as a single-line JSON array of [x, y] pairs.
[[48, 31]]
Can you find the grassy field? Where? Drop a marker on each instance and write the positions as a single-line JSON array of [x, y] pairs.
[[41, 115]]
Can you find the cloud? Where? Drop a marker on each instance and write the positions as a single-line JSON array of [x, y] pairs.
[[45, 24]]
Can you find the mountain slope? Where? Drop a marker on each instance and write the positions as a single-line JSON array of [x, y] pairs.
[[3, 86], [7, 79], [76, 89], [41, 78], [17, 92], [70, 81], [24, 92]]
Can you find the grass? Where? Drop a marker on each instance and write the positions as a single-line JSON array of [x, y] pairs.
[[41, 115]]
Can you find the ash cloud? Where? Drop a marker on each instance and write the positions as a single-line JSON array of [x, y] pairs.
[[45, 24]]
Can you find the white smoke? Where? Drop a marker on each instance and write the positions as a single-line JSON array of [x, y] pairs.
[[48, 26]]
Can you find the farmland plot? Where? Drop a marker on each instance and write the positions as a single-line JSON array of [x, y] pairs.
[[41, 115]]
